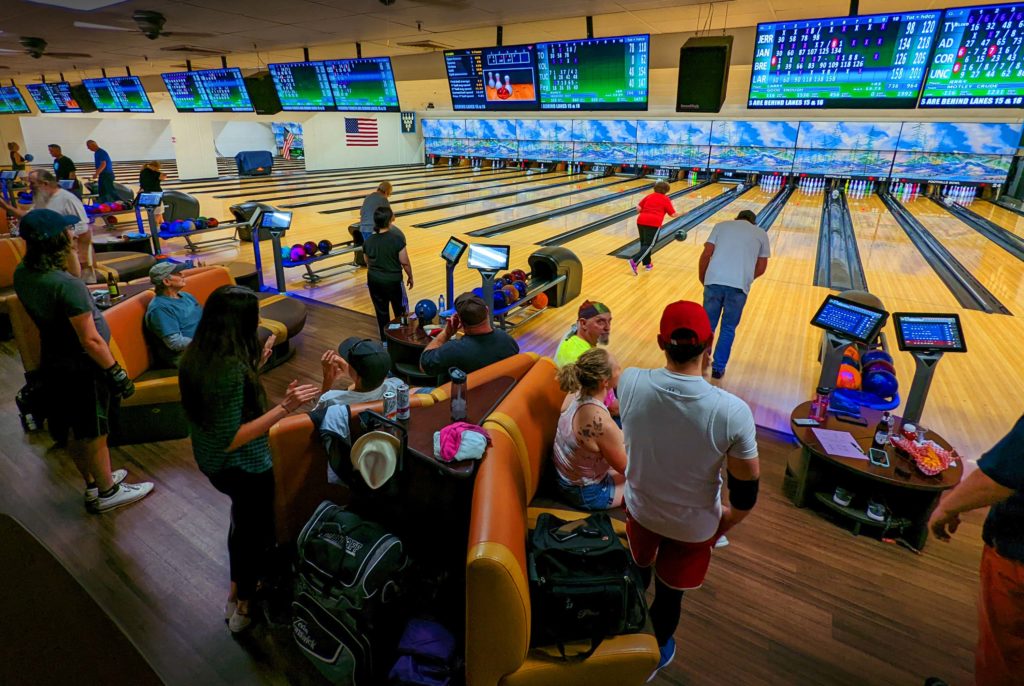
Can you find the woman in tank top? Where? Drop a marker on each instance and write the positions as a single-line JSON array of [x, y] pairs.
[[589, 452]]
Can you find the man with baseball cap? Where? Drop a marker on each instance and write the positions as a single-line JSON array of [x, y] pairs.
[[679, 429], [79, 374], [480, 345], [172, 316], [366, 363], [593, 326]]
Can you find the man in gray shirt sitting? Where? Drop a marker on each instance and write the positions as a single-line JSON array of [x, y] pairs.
[[734, 255], [379, 198]]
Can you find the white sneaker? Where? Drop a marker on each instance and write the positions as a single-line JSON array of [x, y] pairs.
[[239, 622], [229, 610], [93, 494], [126, 494], [721, 542]]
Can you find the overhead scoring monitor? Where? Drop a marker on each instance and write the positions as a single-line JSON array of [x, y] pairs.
[[53, 98], [118, 94], [499, 78], [868, 61], [452, 251], [978, 61], [594, 73], [302, 86], [208, 90], [931, 332], [488, 257], [12, 102], [364, 84], [850, 320]]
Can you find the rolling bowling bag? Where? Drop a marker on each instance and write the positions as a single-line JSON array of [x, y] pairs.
[[346, 609], [583, 583]]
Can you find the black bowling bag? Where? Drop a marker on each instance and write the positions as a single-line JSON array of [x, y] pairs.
[[583, 583]]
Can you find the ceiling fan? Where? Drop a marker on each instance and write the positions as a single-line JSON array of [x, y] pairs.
[[36, 48], [150, 23]]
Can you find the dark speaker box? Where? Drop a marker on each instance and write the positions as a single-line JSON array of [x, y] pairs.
[[81, 95], [262, 93], [703, 74]]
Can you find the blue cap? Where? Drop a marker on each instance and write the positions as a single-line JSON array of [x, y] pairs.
[[42, 224]]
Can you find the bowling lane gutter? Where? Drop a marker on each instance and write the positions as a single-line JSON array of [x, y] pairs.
[[968, 291], [274, 192], [532, 219], [770, 212], [456, 203], [580, 231], [1006, 240], [226, 181], [1001, 202], [838, 265], [684, 223], [524, 203]]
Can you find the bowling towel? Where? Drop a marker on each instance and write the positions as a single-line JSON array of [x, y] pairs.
[[461, 441]]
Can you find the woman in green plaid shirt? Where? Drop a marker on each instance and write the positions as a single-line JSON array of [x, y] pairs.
[[227, 413]]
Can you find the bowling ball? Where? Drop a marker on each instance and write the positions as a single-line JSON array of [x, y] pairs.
[[212, 222], [29, 157], [519, 275], [852, 352], [426, 310], [118, 206], [188, 225], [511, 294], [500, 301], [200, 223], [881, 383], [521, 287], [104, 207], [681, 235], [25, 197], [849, 378], [540, 301], [852, 362], [164, 226], [478, 292], [873, 355], [286, 252], [879, 366], [297, 253], [310, 248], [325, 246]]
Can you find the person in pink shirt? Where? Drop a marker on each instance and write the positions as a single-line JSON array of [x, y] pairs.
[[653, 209]]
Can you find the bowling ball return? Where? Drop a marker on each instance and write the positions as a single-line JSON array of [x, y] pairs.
[[181, 207], [314, 273]]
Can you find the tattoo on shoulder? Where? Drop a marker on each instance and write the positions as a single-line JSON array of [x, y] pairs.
[[592, 429]]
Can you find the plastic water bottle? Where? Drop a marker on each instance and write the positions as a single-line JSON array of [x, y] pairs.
[[459, 401], [440, 304]]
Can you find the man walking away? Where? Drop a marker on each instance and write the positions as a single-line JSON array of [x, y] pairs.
[[735, 254], [375, 200], [104, 174]]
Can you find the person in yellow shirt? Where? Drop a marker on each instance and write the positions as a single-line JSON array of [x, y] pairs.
[[593, 326]]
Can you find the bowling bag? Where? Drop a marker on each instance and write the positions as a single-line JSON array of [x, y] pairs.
[[583, 583], [345, 611]]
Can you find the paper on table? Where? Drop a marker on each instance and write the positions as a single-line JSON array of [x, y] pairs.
[[839, 444]]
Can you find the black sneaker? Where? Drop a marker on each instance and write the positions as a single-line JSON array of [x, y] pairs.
[[717, 373]]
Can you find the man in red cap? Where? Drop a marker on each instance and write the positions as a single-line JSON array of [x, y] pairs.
[[679, 429]]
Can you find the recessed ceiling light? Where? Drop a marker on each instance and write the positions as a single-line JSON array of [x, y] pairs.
[[83, 5]]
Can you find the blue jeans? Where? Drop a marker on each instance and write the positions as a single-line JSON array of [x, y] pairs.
[[599, 496], [727, 303]]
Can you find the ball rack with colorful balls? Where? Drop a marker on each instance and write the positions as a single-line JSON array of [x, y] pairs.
[[309, 253], [188, 228], [868, 379], [108, 210]]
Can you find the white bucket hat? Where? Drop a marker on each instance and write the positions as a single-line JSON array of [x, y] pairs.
[[375, 456]]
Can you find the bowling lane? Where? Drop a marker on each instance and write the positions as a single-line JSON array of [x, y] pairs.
[[1011, 221], [584, 191], [236, 183], [685, 254], [996, 269], [793, 238], [893, 266]]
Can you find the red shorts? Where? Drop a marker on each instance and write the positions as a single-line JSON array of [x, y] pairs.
[[679, 564]]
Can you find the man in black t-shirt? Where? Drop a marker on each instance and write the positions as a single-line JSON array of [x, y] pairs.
[[998, 481], [480, 345], [373, 202], [64, 168]]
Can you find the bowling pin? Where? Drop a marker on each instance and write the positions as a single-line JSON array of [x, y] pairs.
[[508, 85]]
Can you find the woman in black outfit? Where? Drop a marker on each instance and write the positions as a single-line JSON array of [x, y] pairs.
[[150, 177], [386, 259]]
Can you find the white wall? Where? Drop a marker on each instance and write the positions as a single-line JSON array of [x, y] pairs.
[[324, 138], [124, 137], [232, 137]]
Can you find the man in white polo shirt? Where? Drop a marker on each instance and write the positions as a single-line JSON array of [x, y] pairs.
[[48, 195], [735, 254], [679, 429]]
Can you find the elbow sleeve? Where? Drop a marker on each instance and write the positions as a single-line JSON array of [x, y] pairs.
[[743, 493]]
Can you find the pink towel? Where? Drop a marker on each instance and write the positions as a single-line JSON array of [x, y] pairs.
[[450, 442]]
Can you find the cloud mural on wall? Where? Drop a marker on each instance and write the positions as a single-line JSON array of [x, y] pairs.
[[764, 134], [545, 151], [500, 129], [684, 156], [843, 162], [604, 153], [982, 139], [674, 132], [847, 135], [603, 131], [752, 158], [544, 129], [943, 166]]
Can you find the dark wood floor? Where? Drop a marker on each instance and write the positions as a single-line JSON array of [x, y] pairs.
[[794, 600]]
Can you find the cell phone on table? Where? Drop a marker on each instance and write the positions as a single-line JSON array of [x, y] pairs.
[[849, 419], [806, 421], [878, 457]]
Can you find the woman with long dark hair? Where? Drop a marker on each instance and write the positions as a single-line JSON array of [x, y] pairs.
[[227, 413], [386, 259], [81, 378]]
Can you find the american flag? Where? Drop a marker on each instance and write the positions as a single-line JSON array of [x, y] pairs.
[[360, 132], [286, 149]]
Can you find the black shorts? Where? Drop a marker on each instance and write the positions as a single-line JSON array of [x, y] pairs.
[[79, 402]]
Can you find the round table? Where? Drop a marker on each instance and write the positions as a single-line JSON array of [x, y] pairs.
[[405, 345], [812, 475]]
